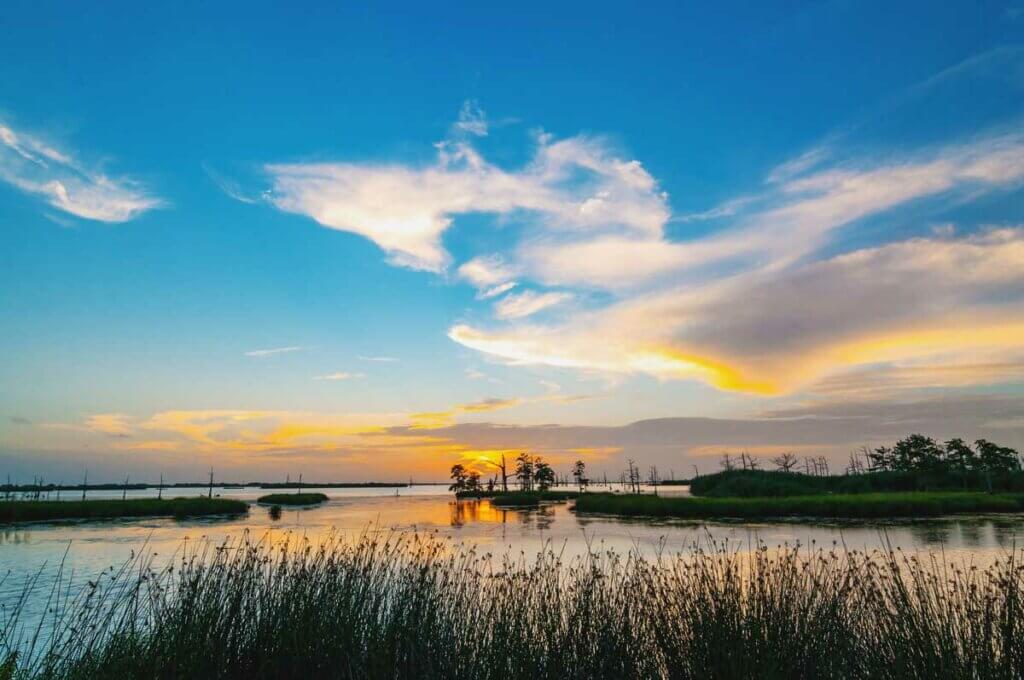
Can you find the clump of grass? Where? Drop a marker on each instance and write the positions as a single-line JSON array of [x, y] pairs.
[[531, 498], [292, 499], [412, 607], [36, 511], [863, 506]]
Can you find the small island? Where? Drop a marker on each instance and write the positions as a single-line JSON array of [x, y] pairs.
[[198, 506], [292, 499]]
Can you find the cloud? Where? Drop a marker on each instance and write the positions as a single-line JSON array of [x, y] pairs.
[[773, 332], [486, 271], [527, 303], [40, 169], [826, 429], [114, 424], [271, 352], [229, 186], [341, 375], [472, 119], [378, 359], [573, 185]]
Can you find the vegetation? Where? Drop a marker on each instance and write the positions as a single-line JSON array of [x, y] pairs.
[[330, 485], [750, 483], [407, 607], [915, 463], [532, 473], [528, 498], [867, 506], [36, 511], [292, 499]]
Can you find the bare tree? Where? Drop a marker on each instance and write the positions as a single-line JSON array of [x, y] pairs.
[[500, 468], [653, 478], [785, 462], [727, 463]]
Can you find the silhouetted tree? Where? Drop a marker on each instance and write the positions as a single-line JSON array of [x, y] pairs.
[[524, 471], [459, 475], [785, 462], [543, 475], [579, 472]]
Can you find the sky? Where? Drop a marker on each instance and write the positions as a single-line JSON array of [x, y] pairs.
[[367, 243]]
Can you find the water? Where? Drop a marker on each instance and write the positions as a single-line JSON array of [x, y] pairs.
[[86, 548]]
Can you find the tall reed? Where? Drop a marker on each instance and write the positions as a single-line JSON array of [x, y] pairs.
[[409, 606]]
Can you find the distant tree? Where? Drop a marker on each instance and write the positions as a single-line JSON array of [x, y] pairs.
[[726, 463], [995, 458], [543, 475], [917, 453], [881, 459], [959, 455], [473, 481], [500, 467], [459, 477], [785, 462], [579, 473], [524, 471], [653, 478]]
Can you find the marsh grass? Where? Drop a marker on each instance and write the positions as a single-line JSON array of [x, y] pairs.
[[861, 506], [405, 606], [292, 499], [531, 498], [35, 511]]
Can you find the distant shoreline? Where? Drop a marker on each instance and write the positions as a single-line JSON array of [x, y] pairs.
[[23, 488]]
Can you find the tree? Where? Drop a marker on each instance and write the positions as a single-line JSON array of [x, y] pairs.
[[501, 468], [653, 478], [459, 477], [917, 453], [995, 458], [881, 459], [543, 475], [524, 471], [579, 472], [959, 455], [473, 481], [727, 463], [785, 462]]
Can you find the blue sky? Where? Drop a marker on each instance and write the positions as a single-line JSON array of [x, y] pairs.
[[477, 229]]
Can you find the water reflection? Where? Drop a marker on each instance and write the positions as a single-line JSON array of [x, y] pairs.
[[93, 546]]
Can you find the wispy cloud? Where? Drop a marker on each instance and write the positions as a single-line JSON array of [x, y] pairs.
[[380, 359], [527, 303], [572, 185], [340, 375], [38, 168], [762, 332], [472, 119], [271, 352]]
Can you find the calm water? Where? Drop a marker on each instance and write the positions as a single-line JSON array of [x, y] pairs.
[[86, 548]]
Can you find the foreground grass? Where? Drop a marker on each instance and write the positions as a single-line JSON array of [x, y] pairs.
[[409, 607], [292, 499], [34, 511], [864, 506]]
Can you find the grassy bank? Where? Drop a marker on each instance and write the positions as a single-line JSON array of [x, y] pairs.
[[751, 483], [527, 498], [545, 496], [412, 608], [292, 499], [35, 511], [518, 497], [867, 506]]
